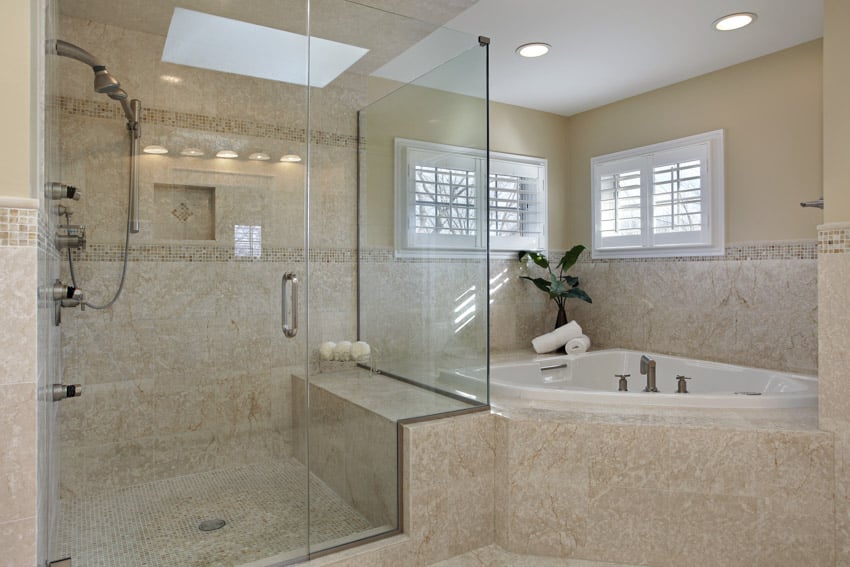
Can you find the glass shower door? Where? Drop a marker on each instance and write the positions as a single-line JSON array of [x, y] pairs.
[[182, 449]]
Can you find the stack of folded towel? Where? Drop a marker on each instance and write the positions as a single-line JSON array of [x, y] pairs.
[[568, 336], [345, 350]]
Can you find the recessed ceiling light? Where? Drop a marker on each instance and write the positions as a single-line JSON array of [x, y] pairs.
[[173, 79], [192, 152], [533, 49], [291, 158], [259, 156], [229, 154], [159, 150], [734, 21]]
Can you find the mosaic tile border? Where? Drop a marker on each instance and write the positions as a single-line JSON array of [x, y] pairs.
[[790, 250], [18, 226], [207, 253], [746, 251], [100, 109], [834, 241]]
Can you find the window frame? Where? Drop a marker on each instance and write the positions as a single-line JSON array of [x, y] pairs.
[[409, 244], [709, 241]]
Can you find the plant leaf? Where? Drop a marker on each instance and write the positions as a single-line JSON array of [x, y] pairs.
[[536, 257], [541, 283], [571, 257], [572, 281], [578, 293]]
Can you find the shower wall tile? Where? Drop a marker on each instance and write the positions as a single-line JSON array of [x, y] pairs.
[[18, 266], [755, 307], [17, 540]]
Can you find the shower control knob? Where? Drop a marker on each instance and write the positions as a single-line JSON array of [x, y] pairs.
[[74, 237], [55, 190], [63, 391]]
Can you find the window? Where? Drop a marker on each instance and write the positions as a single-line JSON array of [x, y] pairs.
[[660, 200], [440, 203], [247, 241]]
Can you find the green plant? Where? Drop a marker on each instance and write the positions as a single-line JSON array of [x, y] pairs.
[[559, 286]]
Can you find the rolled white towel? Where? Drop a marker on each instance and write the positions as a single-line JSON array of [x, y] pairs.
[[577, 345], [557, 338], [342, 351], [326, 350], [360, 351]]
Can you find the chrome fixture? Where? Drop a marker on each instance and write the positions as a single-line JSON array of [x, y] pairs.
[[623, 383], [109, 85], [53, 190], [65, 296], [817, 203], [553, 367], [74, 236], [289, 302], [60, 392], [647, 366], [682, 385], [103, 81]]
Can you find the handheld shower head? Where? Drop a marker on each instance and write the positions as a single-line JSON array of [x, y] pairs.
[[106, 83], [118, 94], [103, 81]]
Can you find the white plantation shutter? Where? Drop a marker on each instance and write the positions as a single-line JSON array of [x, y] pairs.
[[517, 205], [660, 200], [680, 196], [440, 200]]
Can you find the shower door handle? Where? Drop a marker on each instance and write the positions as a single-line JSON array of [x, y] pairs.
[[290, 329]]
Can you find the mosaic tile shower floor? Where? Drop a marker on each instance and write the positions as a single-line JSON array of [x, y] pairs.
[[156, 524]]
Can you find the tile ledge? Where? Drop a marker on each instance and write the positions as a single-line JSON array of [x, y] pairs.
[[834, 226], [8, 202]]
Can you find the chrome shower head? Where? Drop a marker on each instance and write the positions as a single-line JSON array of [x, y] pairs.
[[106, 83], [103, 81]]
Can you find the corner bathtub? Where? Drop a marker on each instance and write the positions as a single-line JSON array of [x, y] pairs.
[[589, 378]]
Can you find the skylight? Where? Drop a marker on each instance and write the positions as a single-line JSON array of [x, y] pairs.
[[211, 42]]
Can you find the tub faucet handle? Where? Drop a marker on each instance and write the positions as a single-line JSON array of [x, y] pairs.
[[682, 385], [624, 384]]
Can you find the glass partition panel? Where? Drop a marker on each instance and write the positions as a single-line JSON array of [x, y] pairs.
[[181, 450], [353, 412], [423, 228]]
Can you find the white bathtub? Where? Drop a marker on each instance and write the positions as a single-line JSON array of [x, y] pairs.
[[589, 378]]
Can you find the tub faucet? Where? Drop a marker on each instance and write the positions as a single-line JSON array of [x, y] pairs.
[[647, 366]]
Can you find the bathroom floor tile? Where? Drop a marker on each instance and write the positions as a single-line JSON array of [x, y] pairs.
[[156, 524]]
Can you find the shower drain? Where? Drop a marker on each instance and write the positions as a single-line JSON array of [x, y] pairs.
[[211, 525]]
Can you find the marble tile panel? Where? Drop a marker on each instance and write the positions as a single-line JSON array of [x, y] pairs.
[[495, 556], [628, 525], [833, 340], [17, 540], [114, 465], [710, 530], [627, 457], [18, 266], [711, 461], [17, 451]]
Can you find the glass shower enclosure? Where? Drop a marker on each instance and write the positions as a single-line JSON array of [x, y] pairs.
[[211, 430]]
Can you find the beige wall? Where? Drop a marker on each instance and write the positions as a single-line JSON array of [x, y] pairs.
[[518, 130], [15, 99], [770, 109], [836, 132]]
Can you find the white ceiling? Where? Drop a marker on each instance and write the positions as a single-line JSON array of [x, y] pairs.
[[607, 50]]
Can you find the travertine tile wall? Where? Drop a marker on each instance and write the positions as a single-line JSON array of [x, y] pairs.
[[755, 306], [659, 495], [18, 380], [834, 391]]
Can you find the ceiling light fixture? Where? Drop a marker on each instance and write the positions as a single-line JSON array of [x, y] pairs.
[[734, 21], [291, 158], [153, 149], [259, 156], [228, 154], [192, 152], [533, 49]]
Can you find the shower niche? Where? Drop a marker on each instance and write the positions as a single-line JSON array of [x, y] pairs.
[[183, 212]]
